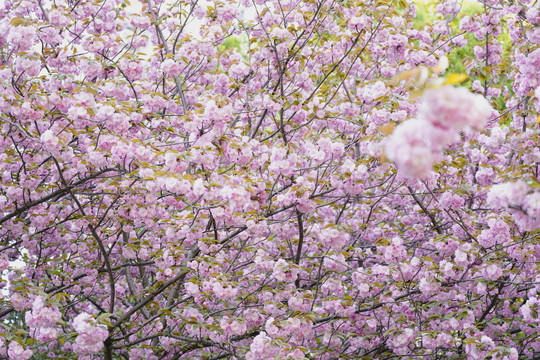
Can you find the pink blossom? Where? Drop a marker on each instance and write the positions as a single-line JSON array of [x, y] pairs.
[[271, 328], [171, 67], [450, 107], [512, 193], [18, 301], [461, 257], [481, 288], [411, 149], [526, 310], [335, 262], [30, 67], [402, 339], [533, 15], [296, 355], [537, 99], [429, 286], [485, 175], [493, 272], [17, 352], [531, 204], [42, 320], [238, 71], [22, 37], [56, 18], [397, 46], [232, 326], [91, 335], [224, 292], [284, 271], [261, 348], [142, 22], [50, 142]]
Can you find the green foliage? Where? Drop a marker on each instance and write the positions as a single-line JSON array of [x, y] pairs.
[[461, 56], [424, 13], [425, 16], [232, 42]]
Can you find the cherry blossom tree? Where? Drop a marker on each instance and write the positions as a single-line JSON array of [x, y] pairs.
[[324, 190]]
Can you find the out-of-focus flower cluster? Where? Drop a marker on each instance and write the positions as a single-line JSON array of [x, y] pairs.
[[417, 143]]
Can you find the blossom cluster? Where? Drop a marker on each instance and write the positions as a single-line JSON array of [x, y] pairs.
[[16, 351], [42, 320], [444, 111], [90, 336], [207, 180], [521, 200]]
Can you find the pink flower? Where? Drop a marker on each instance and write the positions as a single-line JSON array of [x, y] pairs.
[[403, 339], [45, 334], [397, 46], [333, 238], [142, 22], [50, 142], [410, 148], [91, 335], [192, 289], [296, 355], [261, 348], [526, 310], [171, 67], [56, 18], [531, 204], [493, 272], [429, 286], [238, 71], [335, 262], [17, 352], [533, 15], [271, 328], [224, 292], [283, 271], [232, 326], [19, 302], [42, 320], [450, 107], [30, 67], [537, 99], [513, 355], [461, 257], [22, 36], [512, 193]]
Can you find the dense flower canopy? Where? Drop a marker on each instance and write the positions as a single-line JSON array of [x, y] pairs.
[[317, 179]]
